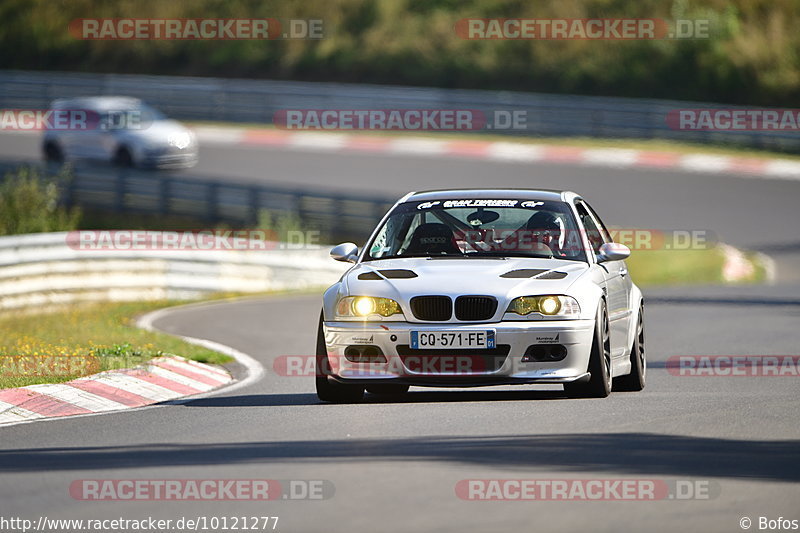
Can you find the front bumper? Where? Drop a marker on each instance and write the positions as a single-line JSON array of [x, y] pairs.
[[167, 158], [505, 365]]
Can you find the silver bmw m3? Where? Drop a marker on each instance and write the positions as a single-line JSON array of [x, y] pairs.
[[459, 288]]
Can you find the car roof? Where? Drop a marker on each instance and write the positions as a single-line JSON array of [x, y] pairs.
[[468, 194], [97, 103]]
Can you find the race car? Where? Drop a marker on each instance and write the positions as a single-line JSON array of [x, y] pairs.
[[460, 288], [121, 130]]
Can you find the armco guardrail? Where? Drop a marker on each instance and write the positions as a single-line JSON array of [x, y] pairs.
[[256, 101], [44, 270], [338, 215]]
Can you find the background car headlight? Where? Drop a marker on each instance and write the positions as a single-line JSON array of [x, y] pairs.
[[555, 306], [179, 140], [365, 306]]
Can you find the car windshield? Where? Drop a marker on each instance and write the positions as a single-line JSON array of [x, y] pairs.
[[134, 117], [479, 228], [151, 113]]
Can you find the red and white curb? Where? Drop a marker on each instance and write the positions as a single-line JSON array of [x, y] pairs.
[[160, 380], [501, 151]]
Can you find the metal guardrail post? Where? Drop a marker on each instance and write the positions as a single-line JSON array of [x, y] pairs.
[[164, 191], [254, 204], [212, 202], [119, 190]]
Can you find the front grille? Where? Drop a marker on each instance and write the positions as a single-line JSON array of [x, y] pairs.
[[464, 361], [432, 308], [475, 307]]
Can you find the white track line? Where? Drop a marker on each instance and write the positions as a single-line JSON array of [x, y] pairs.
[[417, 147], [782, 168], [12, 414], [77, 397], [174, 377], [134, 385], [507, 151], [704, 163], [325, 142], [219, 135], [254, 371], [217, 377], [610, 157]]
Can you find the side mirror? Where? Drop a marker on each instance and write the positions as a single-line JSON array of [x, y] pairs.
[[613, 251], [346, 252]]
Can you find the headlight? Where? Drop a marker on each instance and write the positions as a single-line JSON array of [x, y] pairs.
[[362, 307], [554, 306], [179, 140]]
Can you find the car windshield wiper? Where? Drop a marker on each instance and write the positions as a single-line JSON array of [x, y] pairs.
[[429, 256], [505, 255]]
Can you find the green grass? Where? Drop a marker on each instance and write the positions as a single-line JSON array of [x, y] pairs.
[[673, 267], [684, 267], [92, 338]]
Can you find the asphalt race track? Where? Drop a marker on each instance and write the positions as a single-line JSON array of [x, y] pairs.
[[395, 465]]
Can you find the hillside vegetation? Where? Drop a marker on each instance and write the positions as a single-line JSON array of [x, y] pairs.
[[752, 56]]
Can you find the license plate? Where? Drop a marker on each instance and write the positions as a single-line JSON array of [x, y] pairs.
[[441, 340]]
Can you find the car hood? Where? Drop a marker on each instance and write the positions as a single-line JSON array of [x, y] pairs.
[[160, 132], [507, 278]]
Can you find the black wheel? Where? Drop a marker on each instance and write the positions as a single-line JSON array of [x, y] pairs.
[[327, 390], [387, 389], [636, 379], [123, 158], [599, 385], [53, 152]]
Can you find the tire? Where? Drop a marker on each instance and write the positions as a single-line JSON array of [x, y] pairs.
[[327, 390], [53, 152], [599, 385], [387, 389], [635, 381], [123, 158]]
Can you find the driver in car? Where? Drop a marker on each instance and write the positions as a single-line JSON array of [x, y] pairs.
[[548, 229]]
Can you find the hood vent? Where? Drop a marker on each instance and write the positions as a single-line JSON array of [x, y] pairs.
[[391, 273], [398, 273], [553, 274], [538, 273]]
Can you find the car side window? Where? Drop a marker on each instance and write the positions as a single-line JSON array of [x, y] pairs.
[[594, 231], [602, 227]]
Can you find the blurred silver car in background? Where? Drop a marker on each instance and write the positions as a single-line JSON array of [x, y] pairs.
[[124, 131]]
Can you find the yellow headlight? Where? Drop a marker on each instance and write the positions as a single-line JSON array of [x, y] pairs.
[[364, 306], [549, 305], [387, 307], [524, 305]]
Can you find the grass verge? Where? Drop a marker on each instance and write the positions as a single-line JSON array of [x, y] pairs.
[[685, 267], [64, 345]]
